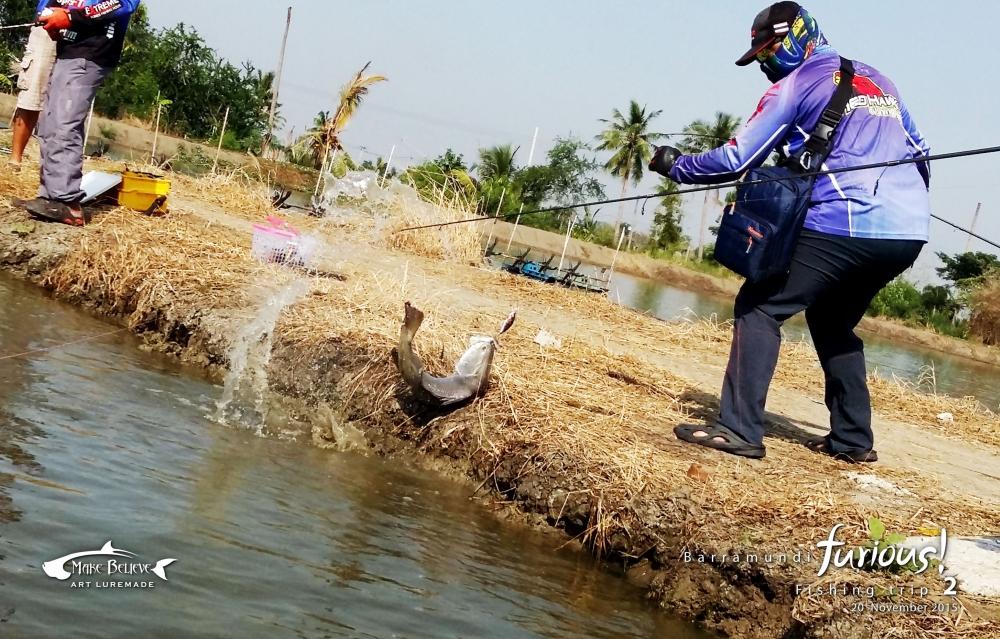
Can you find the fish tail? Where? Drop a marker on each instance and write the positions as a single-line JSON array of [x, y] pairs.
[[159, 569], [507, 323], [413, 317]]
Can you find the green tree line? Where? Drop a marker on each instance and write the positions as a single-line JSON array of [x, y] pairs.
[[174, 67], [12, 41], [945, 308]]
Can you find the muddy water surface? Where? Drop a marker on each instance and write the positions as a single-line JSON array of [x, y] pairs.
[[100, 441]]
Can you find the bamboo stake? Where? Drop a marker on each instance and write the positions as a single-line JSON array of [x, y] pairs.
[[494, 225], [615, 259], [531, 157], [156, 130], [218, 151], [569, 233], [322, 169], [701, 228], [90, 121], [387, 164]]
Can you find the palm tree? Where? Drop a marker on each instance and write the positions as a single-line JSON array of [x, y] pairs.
[[629, 140], [351, 96], [666, 231], [262, 84], [316, 139], [496, 162], [702, 136], [496, 172]]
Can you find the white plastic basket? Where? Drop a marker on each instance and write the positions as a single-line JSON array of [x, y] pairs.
[[278, 242]]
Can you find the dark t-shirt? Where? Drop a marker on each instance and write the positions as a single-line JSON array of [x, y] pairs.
[[97, 29]]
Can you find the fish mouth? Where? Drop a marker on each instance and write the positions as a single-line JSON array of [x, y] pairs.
[[56, 571]]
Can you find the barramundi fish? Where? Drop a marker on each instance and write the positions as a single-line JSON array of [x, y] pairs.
[[472, 371]]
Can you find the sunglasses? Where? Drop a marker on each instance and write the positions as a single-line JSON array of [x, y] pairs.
[[767, 52]]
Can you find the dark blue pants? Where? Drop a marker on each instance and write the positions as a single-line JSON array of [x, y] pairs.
[[833, 278]]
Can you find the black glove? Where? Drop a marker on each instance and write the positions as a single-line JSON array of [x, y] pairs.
[[663, 160]]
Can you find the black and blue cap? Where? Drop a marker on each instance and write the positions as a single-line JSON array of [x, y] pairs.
[[771, 25]]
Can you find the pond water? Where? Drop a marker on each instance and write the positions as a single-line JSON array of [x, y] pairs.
[[100, 441]]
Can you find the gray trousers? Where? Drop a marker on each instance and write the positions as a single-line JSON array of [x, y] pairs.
[[72, 87]]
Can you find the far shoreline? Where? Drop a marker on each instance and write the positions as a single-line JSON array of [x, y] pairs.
[[724, 288]]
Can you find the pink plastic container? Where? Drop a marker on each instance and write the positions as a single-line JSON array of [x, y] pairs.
[[278, 241]]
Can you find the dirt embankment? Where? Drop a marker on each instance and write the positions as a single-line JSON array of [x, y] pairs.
[[724, 287], [576, 438]]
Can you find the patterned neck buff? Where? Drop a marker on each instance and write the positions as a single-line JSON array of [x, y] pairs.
[[802, 39]]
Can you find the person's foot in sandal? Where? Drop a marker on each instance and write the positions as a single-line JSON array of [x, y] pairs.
[[53, 211], [718, 437], [822, 445]]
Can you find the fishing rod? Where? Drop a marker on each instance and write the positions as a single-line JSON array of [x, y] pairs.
[[694, 135], [965, 230], [702, 189], [20, 26]]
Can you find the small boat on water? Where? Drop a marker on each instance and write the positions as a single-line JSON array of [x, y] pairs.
[[573, 278], [532, 270], [544, 272]]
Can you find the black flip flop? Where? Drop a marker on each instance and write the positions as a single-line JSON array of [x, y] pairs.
[[822, 445], [734, 444], [53, 211]]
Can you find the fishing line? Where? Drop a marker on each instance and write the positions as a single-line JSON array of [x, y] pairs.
[[59, 346], [702, 189]]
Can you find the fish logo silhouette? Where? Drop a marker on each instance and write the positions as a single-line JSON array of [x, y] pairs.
[[56, 568]]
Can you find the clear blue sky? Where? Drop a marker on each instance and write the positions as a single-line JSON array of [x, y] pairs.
[[471, 74]]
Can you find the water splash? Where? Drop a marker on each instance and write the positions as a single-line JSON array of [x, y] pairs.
[[331, 430], [245, 398]]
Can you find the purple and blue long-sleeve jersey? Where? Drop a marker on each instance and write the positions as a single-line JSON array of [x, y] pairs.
[[881, 203]]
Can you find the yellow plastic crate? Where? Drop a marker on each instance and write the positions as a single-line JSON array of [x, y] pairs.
[[139, 191]]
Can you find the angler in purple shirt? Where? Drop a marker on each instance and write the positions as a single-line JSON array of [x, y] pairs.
[[862, 229]]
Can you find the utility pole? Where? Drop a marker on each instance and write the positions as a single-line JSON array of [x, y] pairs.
[[277, 80], [975, 218]]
